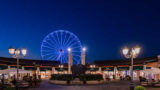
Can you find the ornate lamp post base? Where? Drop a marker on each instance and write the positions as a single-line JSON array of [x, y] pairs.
[[131, 85]]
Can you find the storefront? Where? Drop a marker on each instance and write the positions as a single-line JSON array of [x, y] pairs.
[[108, 72]]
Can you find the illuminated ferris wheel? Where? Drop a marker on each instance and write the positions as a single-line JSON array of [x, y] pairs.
[[55, 45]]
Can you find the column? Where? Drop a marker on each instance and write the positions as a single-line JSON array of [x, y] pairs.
[[9, 67], [115, 70], [158, 75], [100, 70], [22, 67], [38, 72], [130, 70], [69, 61], [53, 70], [158, 59], [83, 56], [144, 68], [138, 74]]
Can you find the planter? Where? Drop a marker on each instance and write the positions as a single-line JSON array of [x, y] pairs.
[[84, 82], [33, 84], [94, 82], [58, 82], [76, 83], [38, 83], [68, 82]]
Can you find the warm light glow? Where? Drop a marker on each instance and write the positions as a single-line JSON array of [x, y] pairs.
[[17, 52], [61, 66], [69, 49], [137, 50], [84, 49], [11, 50], [24, 51], [92, 66], [125, 51]]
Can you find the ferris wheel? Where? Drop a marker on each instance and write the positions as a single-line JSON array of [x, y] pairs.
[[54, 46]]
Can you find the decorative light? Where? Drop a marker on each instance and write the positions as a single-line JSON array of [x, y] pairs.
[[61, 66], [137, 50], [125, 51], [69, 49], [84, 49], [11, 50], [17, 52], [92, 66], [24, 51]]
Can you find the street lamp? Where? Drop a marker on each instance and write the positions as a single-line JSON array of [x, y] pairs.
[[131, 53], [69, 49], [15, 53], [83, 56], [84, 49], [69, 60]]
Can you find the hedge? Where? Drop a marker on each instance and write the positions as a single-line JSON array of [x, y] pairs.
[[68, 77]]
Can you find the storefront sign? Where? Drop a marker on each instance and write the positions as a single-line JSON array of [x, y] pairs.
[[45, 69], [92, 69], [2, 67], [122, 68], [138, 68], [15, 67], [108, 69], [29, 68], [61, 69]]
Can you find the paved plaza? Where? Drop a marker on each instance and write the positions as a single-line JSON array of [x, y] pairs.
[[116, 85]]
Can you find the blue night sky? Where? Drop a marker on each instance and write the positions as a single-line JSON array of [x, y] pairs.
[[103, 26]]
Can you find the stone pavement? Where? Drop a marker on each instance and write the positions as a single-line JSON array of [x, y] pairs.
[[122, 85]]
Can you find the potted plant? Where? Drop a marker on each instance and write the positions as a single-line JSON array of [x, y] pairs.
[[32, 83], [38, 81], [68, 81], [121, 78], [139, 88], [9, 88], [84, 80]]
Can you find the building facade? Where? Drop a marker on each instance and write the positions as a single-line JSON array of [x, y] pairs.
[[113, 69]]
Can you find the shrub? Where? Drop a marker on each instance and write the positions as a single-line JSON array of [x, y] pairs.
[[68, 77], [62, 77], [9, 88], [89, 77], [139, 88]]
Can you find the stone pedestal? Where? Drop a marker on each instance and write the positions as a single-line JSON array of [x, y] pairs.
[[76, 81]]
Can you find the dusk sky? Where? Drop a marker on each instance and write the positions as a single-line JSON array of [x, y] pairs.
[[104, 27]]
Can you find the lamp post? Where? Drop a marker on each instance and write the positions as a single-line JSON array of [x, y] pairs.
[[131, 53], [83, 56], [15, 54], [69, 60]]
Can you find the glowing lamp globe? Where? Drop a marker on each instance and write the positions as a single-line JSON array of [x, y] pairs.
[[24, 51], [125, 51], [84, 49], [137, 50], [11, 50], [69, 49]]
